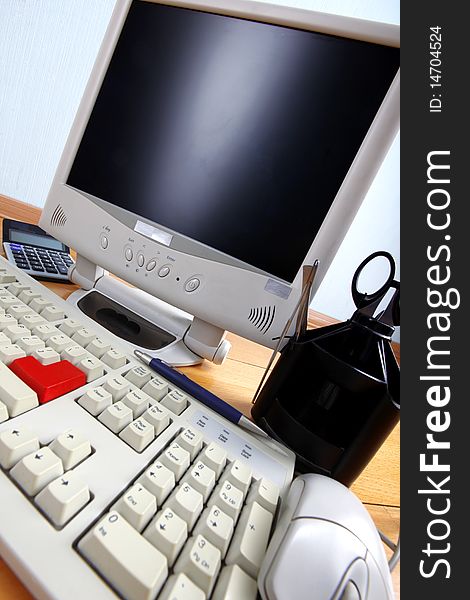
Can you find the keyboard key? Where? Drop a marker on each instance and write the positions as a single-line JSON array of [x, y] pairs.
[[187, 503], [175, 401], [215, 457], [168, 533], [45, 331], [5, 277], [46, 356], [16, 288], [137, 506], [38, 304], [19, 310], [156, 388], [134, 567], [9, 353], [63, 498], [83, 336], [217, 527], [16, 443], [177, 459], [251, 539], [159, 480], [92, 367], [157, 416], [265, 493], [114, 359], [180, 587], [138, 434], [190, 440], [59, 342], [234, 584], [15, 394], [36, 470], [15, 332], [31, 320], [118, 387], [48, 381], [27, 295], [4, 340], [96, 400], [116, 417], [70, 326], [228, 498], [3, 412], [6, 320], [200, 561], [52, 313], [74, 354], [201, 478], [138, 401], [30, 343], [71, 447], [239, 474], [98, 347], [139, 376]]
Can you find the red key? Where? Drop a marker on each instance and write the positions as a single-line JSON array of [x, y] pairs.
[[48, 381]]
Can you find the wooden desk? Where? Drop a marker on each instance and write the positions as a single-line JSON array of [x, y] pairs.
[[236, 381]]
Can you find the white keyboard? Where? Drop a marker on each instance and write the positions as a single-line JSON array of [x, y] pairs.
[[112, 481]]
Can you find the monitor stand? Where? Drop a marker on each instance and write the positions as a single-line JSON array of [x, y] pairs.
[[143, 322]]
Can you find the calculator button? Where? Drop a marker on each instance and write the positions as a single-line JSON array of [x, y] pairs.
[[124, 558], [51, 270], [37, 269]]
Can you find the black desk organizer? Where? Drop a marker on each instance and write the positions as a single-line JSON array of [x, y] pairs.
[[334, 394]]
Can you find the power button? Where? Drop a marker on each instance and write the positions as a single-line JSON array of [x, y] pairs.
[[192, 284]]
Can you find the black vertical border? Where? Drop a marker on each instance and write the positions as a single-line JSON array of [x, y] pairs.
[[423, 132]]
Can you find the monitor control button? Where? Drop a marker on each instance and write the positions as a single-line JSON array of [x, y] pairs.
[[164, 271], [140, 259], [128, 253], [104, 242], [151, 265], [192, 284]]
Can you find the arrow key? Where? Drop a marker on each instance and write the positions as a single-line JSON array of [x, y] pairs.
[[167, 532], [217, 527], [63, 498], [15, 443], [36, 470]]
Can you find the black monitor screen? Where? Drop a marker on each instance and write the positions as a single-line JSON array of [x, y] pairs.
[[235, 133]]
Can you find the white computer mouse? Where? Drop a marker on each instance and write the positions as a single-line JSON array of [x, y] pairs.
[[325, 547]]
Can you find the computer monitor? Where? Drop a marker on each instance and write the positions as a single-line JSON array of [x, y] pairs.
[[219, 147]]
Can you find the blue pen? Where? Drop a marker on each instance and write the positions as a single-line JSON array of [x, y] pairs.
[[204, 396]]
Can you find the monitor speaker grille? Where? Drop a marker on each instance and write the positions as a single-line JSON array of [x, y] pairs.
[[58, 218], [262, 317]]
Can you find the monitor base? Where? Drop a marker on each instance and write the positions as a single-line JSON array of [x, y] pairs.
[[144, 322]]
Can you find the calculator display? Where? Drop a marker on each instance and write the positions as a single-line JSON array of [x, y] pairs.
[[24, 237]]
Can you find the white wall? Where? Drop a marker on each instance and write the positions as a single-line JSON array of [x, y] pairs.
[[47, 49]]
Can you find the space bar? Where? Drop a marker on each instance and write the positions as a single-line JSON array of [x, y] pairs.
[[14, 393]]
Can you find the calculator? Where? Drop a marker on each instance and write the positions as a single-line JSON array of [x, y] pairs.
[[36, 252]]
